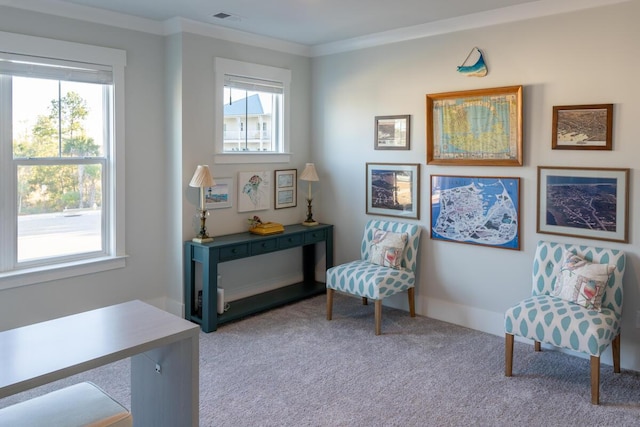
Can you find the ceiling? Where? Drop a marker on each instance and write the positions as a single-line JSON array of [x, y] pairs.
[[306, 22]]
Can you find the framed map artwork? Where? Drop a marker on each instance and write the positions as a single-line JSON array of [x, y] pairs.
[[584, 202], [476, 127], [476, 210]]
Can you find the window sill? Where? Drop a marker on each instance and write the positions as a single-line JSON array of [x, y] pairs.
[[238, 158], [31, 276]]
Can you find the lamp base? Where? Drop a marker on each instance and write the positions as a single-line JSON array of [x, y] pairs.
[[310, 223], [202, 239]]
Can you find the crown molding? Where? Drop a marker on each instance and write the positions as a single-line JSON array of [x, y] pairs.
[[530, 10]]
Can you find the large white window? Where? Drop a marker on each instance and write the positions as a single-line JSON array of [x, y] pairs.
[[60, 145], [252, 112]]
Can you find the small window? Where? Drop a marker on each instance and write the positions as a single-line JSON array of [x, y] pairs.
[[251, 112]]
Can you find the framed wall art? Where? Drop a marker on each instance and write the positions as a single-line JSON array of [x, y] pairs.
[[393, 189], [582, 127], [584, 202], [286, 194], [392, 132], [475, 127], [219, 196], [476, 210], [254, 191]]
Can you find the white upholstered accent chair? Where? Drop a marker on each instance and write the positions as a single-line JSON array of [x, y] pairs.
[[389, 256], [562, 311]]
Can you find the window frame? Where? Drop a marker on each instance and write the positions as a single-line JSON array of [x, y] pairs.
[[224, 66], [114, 196]]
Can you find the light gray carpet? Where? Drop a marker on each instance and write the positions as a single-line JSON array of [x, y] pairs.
[[291, 367]]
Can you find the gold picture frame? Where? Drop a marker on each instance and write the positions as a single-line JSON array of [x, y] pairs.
[[475, 127]]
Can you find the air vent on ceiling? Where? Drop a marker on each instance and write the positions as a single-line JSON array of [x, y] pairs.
[[226, 16]]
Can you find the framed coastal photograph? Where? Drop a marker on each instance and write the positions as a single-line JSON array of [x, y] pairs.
[[476, 210], [392, 132], [254, 191], [582, 127], [393, 189], [475, 127], [286, 194], [584, 202], [219, 196]]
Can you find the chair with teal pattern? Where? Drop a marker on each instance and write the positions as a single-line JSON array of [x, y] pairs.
[[576, 304], [389, 256]]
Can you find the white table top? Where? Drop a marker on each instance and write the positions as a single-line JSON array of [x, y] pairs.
[[37, 354]]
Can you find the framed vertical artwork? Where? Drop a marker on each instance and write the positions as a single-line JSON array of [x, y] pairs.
[[392, 132], [475, 127], [393, 189], [219, 196], [286, 194], [584, 202], [582, 127], [254, 191], [476, 210]]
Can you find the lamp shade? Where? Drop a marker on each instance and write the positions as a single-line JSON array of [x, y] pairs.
[[309, 173], [202, 177]]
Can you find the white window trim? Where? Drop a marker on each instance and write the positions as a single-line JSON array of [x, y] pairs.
[[224, 66], [116, 58]]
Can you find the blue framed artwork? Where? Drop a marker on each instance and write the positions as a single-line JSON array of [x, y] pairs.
[[476, 210]]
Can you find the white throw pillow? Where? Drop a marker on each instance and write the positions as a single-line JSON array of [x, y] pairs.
[[582, 282], [387, 247]]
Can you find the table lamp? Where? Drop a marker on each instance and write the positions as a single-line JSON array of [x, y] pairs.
[[202, 179], [309, 174]]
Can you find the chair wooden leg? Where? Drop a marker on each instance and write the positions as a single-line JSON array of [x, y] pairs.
[[329, 303], [508, 354], [365, 301], [595, 380], [537, 346], [378, 316], [412, 302], [615, 349]]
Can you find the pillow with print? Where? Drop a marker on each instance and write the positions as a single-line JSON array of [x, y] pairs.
[[582, 282], [387, 247]]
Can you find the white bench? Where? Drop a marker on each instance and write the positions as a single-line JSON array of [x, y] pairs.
[[83, 404]]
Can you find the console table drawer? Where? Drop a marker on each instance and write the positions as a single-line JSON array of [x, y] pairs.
[[264, 246], [289, 241], [235, 251], [315, 236]]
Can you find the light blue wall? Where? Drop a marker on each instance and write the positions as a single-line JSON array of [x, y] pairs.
[[586, 57]]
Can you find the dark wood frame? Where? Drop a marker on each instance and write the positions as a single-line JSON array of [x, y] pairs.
[[378, 145], [621, 175], [479, 159], [558, 125], [277, 188]]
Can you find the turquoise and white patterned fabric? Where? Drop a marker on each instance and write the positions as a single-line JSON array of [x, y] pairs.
[[374, 281], [561, 323]]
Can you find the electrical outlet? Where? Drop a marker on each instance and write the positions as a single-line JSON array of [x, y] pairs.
[[158, 369]]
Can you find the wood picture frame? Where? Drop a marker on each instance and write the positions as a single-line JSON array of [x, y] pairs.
[[392, 132], [393, 189], [592, 203], [476, 210], [286, 190], [475, 127], [582, 127], [219, 196]]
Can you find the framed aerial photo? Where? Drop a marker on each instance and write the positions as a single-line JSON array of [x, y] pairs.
[[219, 196], [392, 132], [476, 210], [582, 127], [475, 127], [393, 189], [286, 195], [584, 202]]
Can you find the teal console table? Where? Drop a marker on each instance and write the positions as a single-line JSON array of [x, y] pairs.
[[244, 245]]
